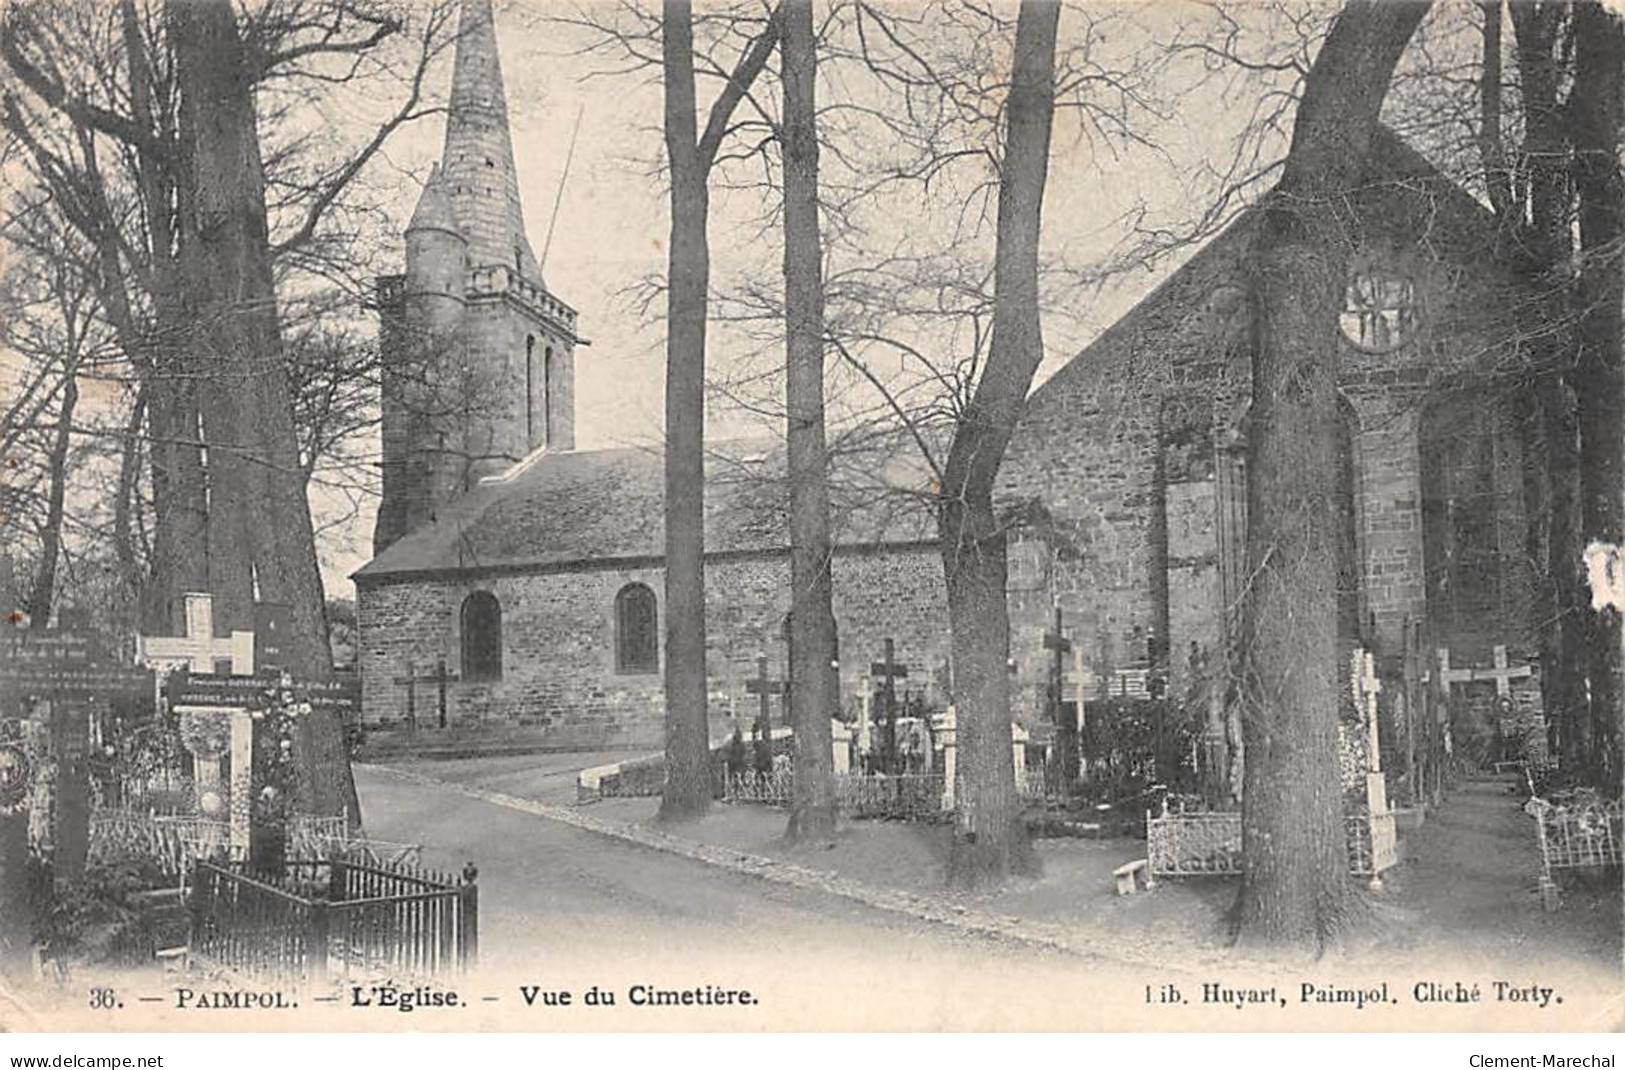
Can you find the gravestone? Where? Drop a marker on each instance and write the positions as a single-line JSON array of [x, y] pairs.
[[199, 649], [61, 680], [213, 707], [440, 677], [764, 688], [945, 733], [887, 671], [216, 720], [1367, 686], [1517, 711], [213, 715], [1059, 646], [840, 734]]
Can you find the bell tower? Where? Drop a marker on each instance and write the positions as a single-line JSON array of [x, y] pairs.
[[479, 355]]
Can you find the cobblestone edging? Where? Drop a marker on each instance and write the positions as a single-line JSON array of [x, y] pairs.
[[942, 911]]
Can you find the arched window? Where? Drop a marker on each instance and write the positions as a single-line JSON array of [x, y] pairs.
[[482, 637], [530, 391], [547, 396], [637, 630]]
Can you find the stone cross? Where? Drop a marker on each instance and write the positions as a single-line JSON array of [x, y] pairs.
[[764, 688], [1057, 642], [202, 728], [440, 678], [1366, 688], [1067, 733], [840, 738], [1502, 673], [199, 648], [888, 672]]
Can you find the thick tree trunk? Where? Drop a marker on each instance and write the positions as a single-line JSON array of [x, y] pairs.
[[687, 793], [131, 455], [261, 540], [1562, 645], [1295, 888], [43, 596], [813, 683], [990, 841], [1598, 106], [176, 455], [1544, 254], [180, 510]]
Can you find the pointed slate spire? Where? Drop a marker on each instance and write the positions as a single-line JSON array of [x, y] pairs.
[[478, 156]]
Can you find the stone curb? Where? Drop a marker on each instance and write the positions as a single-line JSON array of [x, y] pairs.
[[1002, 927]]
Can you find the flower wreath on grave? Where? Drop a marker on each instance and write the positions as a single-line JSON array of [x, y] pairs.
[[16, 777], [276, 770], [206, 734]]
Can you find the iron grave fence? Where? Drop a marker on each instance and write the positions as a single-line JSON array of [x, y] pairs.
[[1584, 833], [318, 920], [174, 842], [898, 796], [1208, 843]]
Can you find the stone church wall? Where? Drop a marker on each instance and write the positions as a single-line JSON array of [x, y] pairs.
[[559, 685], [1093, 444]]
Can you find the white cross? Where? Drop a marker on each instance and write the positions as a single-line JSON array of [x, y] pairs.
[[1503, 674], [198, 648], [1084, 689], [1366, 687]]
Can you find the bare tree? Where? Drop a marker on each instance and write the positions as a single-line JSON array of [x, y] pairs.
[[1295, 886], [188, 226], [94, 102], [913, 317], [813, 682], [990, 840], [690, 154]]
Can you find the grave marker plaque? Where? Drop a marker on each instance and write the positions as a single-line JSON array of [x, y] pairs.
[[65, 665], [62, 679]]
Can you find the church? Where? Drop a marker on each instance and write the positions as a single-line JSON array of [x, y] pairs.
[[515, 596]]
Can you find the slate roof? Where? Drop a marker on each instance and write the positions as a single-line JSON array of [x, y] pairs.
[[579, 507]]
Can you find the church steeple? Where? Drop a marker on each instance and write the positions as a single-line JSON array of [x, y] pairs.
[[478, 156], [481, 370]]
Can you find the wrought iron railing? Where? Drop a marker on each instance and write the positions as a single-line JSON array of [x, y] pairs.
[[318, 920]]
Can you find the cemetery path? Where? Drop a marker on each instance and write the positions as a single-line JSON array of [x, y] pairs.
[[561, 904], [1470, 879], [575, 897]]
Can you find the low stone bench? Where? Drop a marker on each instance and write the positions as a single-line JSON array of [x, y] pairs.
[[1131, 875]]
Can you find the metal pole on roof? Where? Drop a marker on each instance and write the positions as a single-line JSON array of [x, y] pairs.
[[558, 197]]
